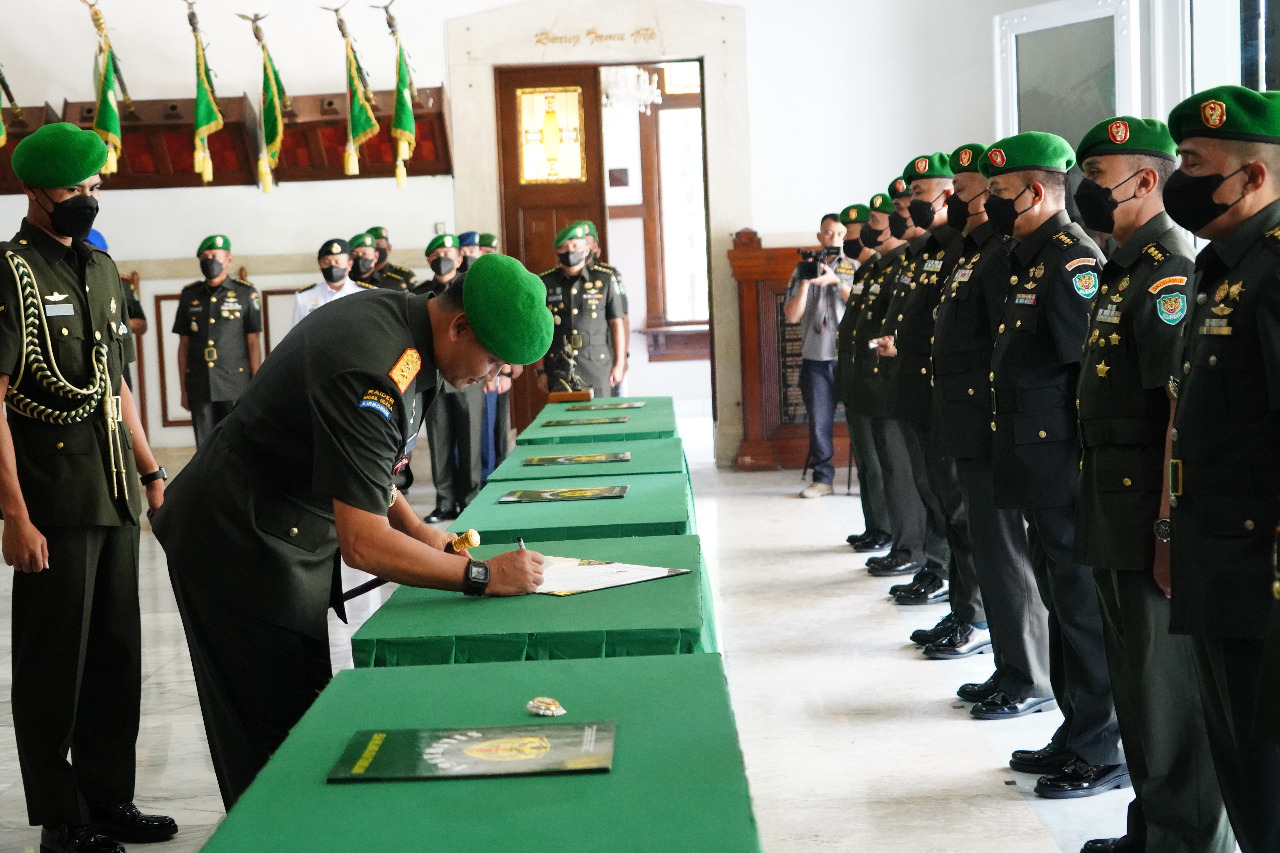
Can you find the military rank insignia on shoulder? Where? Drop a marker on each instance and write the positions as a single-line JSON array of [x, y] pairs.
[[1065, 239], [1155, 254], [308, 287], [547, 272], [1273, 238], [366, 285], [406, 369]]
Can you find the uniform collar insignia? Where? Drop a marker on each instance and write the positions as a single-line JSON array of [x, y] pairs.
[[55, 297]]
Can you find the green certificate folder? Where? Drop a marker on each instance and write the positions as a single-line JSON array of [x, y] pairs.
[[587, 493], [579, 459], [537, 748], [620, 419]]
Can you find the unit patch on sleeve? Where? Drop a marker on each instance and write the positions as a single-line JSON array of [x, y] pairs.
[[1172, 308], [379, 401], [1165, 282], [1086, 284]]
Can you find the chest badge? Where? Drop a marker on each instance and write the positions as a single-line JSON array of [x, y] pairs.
[[55, 297]]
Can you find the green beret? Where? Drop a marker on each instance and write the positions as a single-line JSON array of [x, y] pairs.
[[1030, 150], [488, 241], [58, 155], [379, 232], [442, 241], [214, 241], [362, 240], [506, 306], [967, 158], [898, 188], [936, 165], [1223, 112], [1127, 135], [855, 214], [336, 246], [575, 231], [880, 203], [590, 226]]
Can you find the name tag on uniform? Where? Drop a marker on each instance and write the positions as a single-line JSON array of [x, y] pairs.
[[65, 309]]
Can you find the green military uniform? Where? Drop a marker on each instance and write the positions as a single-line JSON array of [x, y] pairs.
[[64, 341], [391, 276], [1225, 479], [216, 321], [1134, 334], [582, 347]]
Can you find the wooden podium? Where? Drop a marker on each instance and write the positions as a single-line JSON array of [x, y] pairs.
[[775, 431]]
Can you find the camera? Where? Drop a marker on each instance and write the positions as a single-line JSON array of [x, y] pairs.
[[812, 259]]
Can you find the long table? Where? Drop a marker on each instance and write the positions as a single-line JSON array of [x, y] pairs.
[[655, 456], [666, 616], [655, 419], [677, 782]]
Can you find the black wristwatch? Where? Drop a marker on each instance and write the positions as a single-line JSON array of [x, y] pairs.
[[1163, 529], [476, 579], [158, 474]]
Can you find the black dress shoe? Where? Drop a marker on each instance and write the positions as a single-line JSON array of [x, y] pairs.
[[875, 540], [901, 587], [76, 839], [963, 641], [893, 564], [1111, 845], [125, 822], [440, 514], [1078, 779], [1047, 759], [928, 588], [975, 692], [925, 636], [1000, 706]]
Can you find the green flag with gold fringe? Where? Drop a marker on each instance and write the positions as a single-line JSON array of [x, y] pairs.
[[208, 117], [362, 124], [106, 118], [274, 102], [403, 129]]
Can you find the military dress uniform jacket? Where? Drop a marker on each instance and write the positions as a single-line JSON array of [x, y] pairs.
[[969, 309], [248, 524], [600, 268], [1036, 363], [218, 321], [910, 319], [845, 352], [582, 307], [394, 277], [63, 346], [1132, 349], [1225, 477], [863, 385]]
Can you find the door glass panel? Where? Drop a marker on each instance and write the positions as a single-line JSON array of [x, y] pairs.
[[684, 217], [551, 150], [1067, 77]]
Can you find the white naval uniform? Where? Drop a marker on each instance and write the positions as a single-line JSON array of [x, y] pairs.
[[310, 298]]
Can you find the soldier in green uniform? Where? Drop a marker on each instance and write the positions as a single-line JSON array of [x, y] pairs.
[[70, 452], [598, 266], [1131, 351], [454, 422], [1035, 367], [389, 271], [488, 243], [364, 264], [302, 470], [589, 348], [219, 321], [1225, 441], [875, 514]]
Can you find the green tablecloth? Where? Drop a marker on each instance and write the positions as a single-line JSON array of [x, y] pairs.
[[677, 781], [656, 419], [660, 617], [657, 456], [655, 505]]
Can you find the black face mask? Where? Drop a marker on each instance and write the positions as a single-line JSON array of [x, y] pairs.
[[442, 266], [333, 275], [871, 237], [957, 211], [382, 256], [1003, 212], [210, 268], [361, 267], [1189, 201], [467, 261], [569, 260], [73, 217], [922, 212], [898, 225], [853, 248], [1097, 204]]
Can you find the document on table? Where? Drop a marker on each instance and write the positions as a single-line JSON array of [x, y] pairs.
[[572, 575]]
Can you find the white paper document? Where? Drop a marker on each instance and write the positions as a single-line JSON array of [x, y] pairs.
[[570, 575]]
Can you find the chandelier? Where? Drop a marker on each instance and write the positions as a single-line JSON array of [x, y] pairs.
[[629, 86]]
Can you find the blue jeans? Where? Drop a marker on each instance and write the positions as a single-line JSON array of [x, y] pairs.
[[817, 389]]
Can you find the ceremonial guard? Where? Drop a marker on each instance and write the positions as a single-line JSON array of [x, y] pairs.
[[1225, 465], [1035, 367], [219, 321], [389, 271], [71, 448], [969, 310], [302, 471], [589, 348], [334, 260], [875, 513]]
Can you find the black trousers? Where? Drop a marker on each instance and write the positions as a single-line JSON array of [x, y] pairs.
[[875, 513], [1248, 767], [937, 541], [1015, 613], [205, 416], [77, 673], [453, 434], [1177, 807], [1077, 656], [906, 512]]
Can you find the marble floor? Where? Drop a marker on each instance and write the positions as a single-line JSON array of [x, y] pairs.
[[853, 741]]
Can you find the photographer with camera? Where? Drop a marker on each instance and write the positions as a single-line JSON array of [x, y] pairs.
[[816, 296]]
